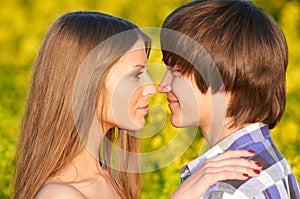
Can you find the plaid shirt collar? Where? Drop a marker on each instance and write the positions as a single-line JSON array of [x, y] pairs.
[[236, 140]]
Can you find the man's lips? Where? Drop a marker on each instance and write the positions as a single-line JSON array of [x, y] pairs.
[[172, 101]]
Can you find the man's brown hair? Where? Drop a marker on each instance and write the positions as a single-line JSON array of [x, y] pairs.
[[247, 47]]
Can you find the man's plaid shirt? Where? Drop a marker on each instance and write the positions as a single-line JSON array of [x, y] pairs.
[[276, 179]]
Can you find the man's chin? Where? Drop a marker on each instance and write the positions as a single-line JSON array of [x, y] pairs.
[[176, 123]]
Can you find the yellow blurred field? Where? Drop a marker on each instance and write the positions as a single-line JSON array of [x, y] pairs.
[[22, 27]]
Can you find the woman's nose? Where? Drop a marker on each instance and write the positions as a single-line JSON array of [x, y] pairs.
[[149, 89]]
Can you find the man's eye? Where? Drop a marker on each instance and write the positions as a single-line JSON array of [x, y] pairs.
[[172, 70]]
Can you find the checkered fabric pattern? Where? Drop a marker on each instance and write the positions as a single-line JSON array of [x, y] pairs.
[[275, 181]]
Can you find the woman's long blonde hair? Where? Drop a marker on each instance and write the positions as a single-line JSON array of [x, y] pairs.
[[49, 139]]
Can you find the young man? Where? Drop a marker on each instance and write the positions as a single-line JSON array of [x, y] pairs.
[[226, 64]]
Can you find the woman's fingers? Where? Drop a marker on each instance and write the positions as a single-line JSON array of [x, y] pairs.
[[196, 185], [231, 170], [234, 154], [251, 164], [213, 178], [227, 166]]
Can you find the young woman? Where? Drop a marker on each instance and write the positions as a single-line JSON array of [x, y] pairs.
[[89, 84]]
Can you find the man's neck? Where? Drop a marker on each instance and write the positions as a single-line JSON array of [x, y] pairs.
[[215, 133]]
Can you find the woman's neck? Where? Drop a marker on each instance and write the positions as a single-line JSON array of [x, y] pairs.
[[84, 167]]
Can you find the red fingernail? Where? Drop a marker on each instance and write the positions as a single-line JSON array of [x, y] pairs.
[[251, 151], [256, 171], [245, 174], [259, 164]]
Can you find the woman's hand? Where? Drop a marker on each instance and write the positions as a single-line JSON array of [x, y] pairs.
[[229, 165]]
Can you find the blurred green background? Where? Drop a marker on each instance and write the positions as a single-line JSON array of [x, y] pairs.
[[23, 24]]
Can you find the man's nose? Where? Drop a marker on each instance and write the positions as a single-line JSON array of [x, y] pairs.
[[165, 84]]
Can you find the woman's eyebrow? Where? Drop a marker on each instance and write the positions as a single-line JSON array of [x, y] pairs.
[[141, 65], [138, 67]]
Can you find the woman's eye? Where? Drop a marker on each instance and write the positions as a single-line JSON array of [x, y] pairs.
[[138, 74]]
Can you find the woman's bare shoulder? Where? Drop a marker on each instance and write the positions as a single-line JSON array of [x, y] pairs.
[[59, 191]]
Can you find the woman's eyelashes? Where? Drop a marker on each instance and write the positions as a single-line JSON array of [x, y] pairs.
[[141, 69], [138, 74]]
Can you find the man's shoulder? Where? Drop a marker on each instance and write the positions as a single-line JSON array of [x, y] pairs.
[[59, 191], [231, 189], [272, 183]]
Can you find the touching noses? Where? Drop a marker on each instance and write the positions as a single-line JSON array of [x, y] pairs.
[[165, 84]]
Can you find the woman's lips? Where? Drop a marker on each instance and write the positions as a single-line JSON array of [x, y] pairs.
[[144, 108]]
